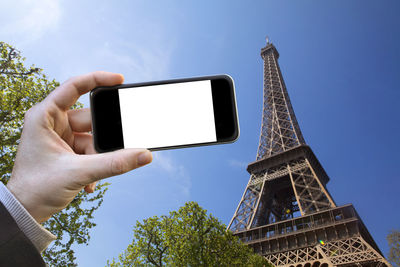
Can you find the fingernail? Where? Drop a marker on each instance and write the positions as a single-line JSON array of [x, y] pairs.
[[144, 158]]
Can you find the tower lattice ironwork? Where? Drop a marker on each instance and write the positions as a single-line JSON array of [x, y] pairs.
[[286, 213]]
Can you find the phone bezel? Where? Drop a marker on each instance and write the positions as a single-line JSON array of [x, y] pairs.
[[226, 119]]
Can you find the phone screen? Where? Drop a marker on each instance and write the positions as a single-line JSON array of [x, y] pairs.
[[167, 115]]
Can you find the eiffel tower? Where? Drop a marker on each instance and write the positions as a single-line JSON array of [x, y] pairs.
[[286, 213]]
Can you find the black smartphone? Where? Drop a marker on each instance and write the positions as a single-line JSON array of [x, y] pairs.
[[165, 114]]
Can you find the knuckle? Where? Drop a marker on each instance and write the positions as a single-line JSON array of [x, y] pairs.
[[70, 80], [30, 113], [37, 111]]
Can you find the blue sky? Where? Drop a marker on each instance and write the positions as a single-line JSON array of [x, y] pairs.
[[340, 61]]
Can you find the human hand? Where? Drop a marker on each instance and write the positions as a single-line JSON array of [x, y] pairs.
[[53, 163]]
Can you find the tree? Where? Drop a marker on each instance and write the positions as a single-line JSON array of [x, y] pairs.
[[20, 89], [187, 237], [393, 239]]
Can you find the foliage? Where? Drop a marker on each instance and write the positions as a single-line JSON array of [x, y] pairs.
[[187, 237], [20, 89], [393, 239]]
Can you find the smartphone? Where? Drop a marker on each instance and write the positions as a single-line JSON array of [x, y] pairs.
[[165, 114]]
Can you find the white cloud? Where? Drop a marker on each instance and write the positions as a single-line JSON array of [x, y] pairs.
[[237, 163], [59, 37], [25, 21], [137, 62], [175, 171]]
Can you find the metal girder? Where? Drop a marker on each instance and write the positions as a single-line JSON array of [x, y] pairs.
[[245, 210], [350, 251], [353, 251], [295, 257], [310, 194]]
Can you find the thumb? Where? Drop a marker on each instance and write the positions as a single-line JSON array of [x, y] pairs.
[[99, 166]]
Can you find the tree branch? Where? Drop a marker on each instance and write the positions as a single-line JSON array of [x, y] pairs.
[[13, 73], [66, 229], [9, 58], [148, 252]]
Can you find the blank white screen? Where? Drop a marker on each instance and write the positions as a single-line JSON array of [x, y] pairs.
[[167, 115]]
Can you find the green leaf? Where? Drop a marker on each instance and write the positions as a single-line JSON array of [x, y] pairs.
[[393, 239]]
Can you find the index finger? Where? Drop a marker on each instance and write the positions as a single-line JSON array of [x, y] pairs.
[[68, 93]]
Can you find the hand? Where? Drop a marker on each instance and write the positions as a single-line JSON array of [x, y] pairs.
[[53, 163]]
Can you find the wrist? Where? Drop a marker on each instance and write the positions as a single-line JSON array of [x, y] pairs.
[[38, 235], [20, 196]]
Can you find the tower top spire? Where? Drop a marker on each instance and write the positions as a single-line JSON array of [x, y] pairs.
[[269, 48]]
